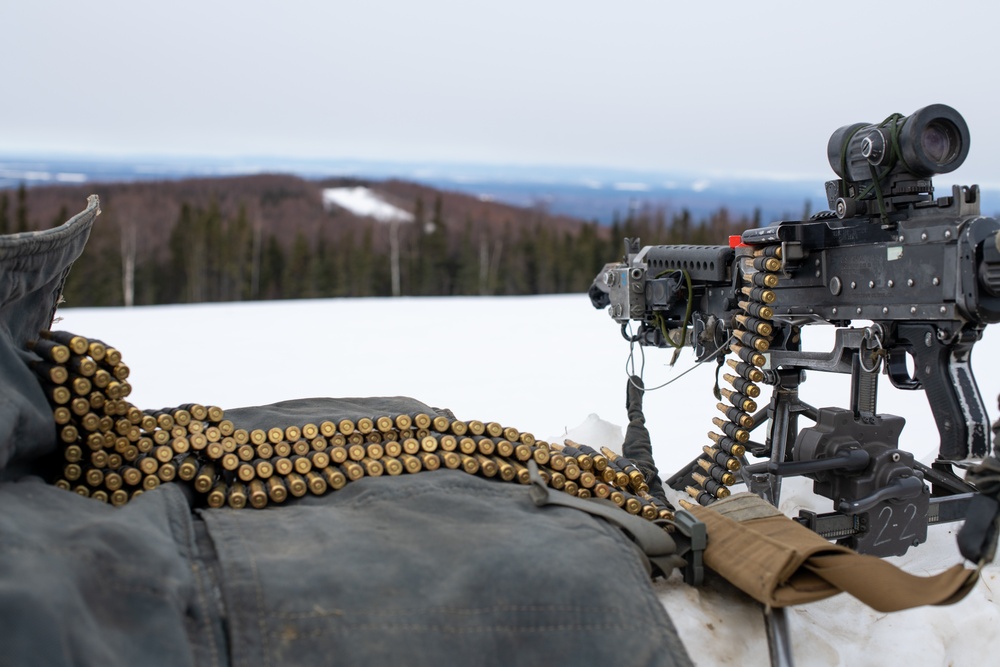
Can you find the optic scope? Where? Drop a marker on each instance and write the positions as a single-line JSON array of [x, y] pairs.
[[932, 140]]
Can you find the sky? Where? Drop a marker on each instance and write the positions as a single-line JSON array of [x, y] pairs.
[[723, 87]]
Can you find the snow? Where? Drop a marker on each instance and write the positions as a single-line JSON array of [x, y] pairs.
[[365, 202], [553, 366]]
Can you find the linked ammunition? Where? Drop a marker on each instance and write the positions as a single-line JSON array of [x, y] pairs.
[[457, 428], [583, 493], [411, 463], [213, 434], [486, 446], [715, 488], [98, 459], [748, 355], [393, 466], [741, 401], [316, 483], [352, 470], [768, 263], [334, 477], [49, 372], [62, 415], [318, 444], [237, 495], [487, 465], [119, 497], [263, 468], [541, 454], [217, 496], [756, 325], [506, 471], [732, 430], [451, 460], [265, 450], [601, 490], [150, 482], [617, 497], [494, 430], [133, 476], [296, 484], [338, 454], [504, 448], [275, 435], [743, 369], [215, 451], [761, 279], [742, 385], [373, 438], [188, 468], [717, 472], [393, 449], [319, 459], [375, 451], [257, 493], [448, 443], [50, 350], [571, 487], [328, 429], [403, 422], [292, 433], [276, 489], [356, 452], [181, 417], [283, 466], [703, 497], [736, 415], [759, 294], [727, 444], [758, 343], [429, 460], [723, 459], [384, 424], [204, 480], [283, 448], [469, 464], [148, 465], [302, 464], [356, 439], [476, 427]]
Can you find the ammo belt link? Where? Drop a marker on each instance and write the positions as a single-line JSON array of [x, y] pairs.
[[113, 451], [752, 335]]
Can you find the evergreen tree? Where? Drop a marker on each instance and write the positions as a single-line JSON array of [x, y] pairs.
[[4, 215], [21, 215]]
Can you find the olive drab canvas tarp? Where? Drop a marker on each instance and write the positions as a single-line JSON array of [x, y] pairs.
[[435, 568]]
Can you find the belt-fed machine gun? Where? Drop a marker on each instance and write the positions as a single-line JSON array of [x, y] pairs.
[[922, 273]]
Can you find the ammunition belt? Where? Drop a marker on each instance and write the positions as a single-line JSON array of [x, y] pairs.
[[113, 451], [752, 335]]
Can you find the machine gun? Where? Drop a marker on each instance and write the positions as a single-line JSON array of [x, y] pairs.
[[922, 274]]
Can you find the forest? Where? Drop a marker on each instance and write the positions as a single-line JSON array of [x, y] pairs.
[[271, 237]]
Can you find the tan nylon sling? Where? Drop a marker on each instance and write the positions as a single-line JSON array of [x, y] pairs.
[[779, 562]]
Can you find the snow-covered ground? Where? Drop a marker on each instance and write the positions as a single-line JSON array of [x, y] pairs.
[[364, 202], [551, 366]]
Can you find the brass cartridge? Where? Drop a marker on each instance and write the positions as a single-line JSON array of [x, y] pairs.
[[411, 463], [732, 430], [352, 470], [217, 496], [505, 469], [258, 494], [742, 385], [292, 433], [316, 483], [296, 484], [356, 452], [283, 466], [204, 480], [451, 460], [334, 477], [276, 489], [393, 466], [237, 495], [372, 467], [429, 460]]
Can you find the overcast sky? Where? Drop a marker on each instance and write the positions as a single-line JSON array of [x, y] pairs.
[[732, 87]]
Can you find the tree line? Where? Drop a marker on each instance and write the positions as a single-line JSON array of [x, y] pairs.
[[210, 255]]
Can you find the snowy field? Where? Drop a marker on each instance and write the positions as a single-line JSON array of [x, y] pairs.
[[551, 366]]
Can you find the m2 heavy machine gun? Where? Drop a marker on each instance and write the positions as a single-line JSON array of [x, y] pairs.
[[898, 272]]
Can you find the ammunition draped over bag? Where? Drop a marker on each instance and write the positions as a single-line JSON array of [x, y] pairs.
[[114, 451]]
